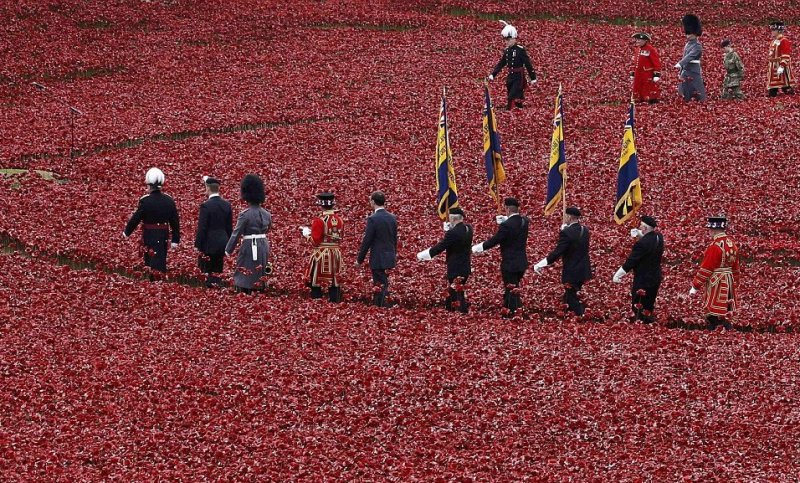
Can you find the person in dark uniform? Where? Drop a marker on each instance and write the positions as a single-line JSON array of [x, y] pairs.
[[456, 243], [380, 240], [516, 59], [213, 231], [158, 215], [645, 261], [512, 236], [573, 246]]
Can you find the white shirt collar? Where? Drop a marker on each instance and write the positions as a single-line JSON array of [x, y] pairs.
[[513, 214], [378, 209], [213, 195]]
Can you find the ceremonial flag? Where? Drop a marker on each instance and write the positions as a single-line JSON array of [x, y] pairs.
[[557, 169], [629, 188], [495, 173], [446, 192]]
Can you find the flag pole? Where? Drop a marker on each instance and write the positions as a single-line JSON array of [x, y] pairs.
[[446, 139], [564, 177]]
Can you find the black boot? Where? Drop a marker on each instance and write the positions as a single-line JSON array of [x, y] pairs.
[[773, 92], [316, 292], [334, 294]]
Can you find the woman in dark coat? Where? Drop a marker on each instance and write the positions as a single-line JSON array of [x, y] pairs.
[[252, 226]]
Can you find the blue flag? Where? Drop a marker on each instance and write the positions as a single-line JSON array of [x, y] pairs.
[[495, 172], [446, 191], [629, 187], [557, 168]]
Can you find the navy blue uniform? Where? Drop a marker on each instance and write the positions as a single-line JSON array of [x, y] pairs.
[[158, 215], [573, 246], [457, 244], [380, 240], [645, 261], [214, 228], [518, 63], [512, 236]]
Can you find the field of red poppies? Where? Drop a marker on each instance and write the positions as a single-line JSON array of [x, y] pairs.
[[108, 376]]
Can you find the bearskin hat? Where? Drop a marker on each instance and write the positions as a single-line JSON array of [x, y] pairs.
[[253, 189], [691, 25]]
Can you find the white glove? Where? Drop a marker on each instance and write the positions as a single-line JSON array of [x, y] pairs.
[[656, 79], [618, 276], [424, 255], [491, 77], [540, 265], [500, 219], [174, 245], [692, 291], [532, 81], [678, 65], [306, 231], [477, 248], [563, 225], [446, 226], [124, 235], [636, 233], [780, 70]]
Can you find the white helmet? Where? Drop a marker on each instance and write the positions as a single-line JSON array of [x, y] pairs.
[[509, 31], [154, 177]]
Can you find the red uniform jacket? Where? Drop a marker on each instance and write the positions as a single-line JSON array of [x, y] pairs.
[[780, 55], [717, 276], [326, 260], [646, 66]]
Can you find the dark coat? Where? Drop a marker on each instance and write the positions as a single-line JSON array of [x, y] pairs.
[[573, 246], [457, 242], [645, 261], [214, 226], [155, 208], [380, 240], [512, 236]]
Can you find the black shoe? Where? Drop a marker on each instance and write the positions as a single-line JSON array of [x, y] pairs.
[[316, 292], [335, 295]]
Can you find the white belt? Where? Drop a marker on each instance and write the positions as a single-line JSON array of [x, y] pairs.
[[254, 244], [694, 61]]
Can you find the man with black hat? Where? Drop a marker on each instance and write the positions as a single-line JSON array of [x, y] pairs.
[[645, 261], [779, 73], [214, 228], [456, 243], [515, 57], [646, 73], [380, 240], [512, 236], [573, 245], [325, 234], [734, 72], [158, 215], [689, 70], [717, 275]]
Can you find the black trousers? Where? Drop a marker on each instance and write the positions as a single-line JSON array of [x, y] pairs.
[[456, 299], [511, 300], [786, 90], [646, 303], [380, 279], [155, 249], [714, 322], [572, 299], [210, 265], [515, 87]]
